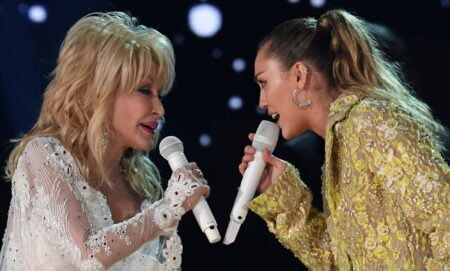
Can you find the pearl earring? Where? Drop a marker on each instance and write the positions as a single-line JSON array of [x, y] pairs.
[[105, 139]]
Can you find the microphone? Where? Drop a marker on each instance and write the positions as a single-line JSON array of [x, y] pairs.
[[266, 137], [171, 148]]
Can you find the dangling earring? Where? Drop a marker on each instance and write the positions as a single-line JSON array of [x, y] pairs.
[[305, 104], [105, 139]]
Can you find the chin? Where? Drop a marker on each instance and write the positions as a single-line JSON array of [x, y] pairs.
[[286, 135], [145, 146]]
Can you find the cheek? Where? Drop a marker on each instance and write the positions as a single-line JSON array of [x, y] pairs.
[[123, 114]]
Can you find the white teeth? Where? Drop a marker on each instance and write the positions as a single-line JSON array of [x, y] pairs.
[[275, 116]]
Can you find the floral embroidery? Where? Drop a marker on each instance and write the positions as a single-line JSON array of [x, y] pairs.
[[370, 243], [399, 193], [50, 197]]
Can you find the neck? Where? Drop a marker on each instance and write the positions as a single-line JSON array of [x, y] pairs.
[[320, 110], [113, 156]]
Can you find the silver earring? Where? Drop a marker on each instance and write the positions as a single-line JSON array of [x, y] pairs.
[[105, 139], [305, 104]]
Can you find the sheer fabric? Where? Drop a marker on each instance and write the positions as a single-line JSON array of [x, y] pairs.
[[57, 221]]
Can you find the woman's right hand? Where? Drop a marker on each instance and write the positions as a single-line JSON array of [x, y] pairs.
[[274, 166]]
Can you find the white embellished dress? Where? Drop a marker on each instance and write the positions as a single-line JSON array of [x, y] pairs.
[[57, 221]]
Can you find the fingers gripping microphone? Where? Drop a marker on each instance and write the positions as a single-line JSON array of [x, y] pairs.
[[171, 148], [266, 137]]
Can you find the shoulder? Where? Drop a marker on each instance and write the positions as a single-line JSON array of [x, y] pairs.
[[379, 120], [45, 144], [372, 108], [380, 115], [49, 150]]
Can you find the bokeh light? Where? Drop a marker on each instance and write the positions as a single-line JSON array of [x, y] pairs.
[[204, 20]]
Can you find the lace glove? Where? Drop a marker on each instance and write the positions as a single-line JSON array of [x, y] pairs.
[[185, 187]]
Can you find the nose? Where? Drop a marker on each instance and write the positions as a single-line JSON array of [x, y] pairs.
[[158, 108], [262, 100]]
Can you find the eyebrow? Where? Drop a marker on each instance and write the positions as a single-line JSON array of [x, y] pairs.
[[256, 76]]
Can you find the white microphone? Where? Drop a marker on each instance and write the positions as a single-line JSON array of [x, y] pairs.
[[171, 148], [266, 137]]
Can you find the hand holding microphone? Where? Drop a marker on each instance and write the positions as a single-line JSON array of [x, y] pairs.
[[171, 148], [264, 141], [273, 169]]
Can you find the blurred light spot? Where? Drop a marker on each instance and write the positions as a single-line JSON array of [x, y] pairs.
[[37, 14], [205, 20], [235, 102], [293, 1], [217, 53], [178, 39], [318, 3], [260, 110], [445, 3], [239, 65], [205, 140]]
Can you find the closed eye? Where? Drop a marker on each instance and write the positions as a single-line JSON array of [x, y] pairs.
[[145, 90]]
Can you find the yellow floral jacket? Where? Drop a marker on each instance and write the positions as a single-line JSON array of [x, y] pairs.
[[386, 194]]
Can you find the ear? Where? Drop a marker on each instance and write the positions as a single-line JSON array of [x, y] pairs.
[[301, 73]]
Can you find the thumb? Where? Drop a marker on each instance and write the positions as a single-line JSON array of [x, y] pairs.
[[271, 160]]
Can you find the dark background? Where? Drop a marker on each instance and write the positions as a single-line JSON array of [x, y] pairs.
[[198, 102]]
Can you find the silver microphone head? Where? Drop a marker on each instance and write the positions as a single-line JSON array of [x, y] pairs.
[[266, 136], [169, 145]]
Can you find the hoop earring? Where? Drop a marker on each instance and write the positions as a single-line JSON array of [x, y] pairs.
[[305, 104]]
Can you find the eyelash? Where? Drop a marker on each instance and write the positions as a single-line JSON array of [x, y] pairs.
[[145, 90], [262, 83], [148, 91]]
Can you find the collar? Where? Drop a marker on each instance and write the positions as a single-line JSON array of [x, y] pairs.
[[340, 107]]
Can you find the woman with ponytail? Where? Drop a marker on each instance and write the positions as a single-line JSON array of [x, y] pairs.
[[85, 195], [385, 184]]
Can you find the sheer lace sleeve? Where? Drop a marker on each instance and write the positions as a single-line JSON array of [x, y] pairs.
[[50, 203]]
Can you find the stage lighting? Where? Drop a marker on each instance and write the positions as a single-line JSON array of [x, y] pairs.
[[37, 14], [445, 3], [293, 1], [235, 102], [318, 3], [205, 20], [205, 140], [239, 65]]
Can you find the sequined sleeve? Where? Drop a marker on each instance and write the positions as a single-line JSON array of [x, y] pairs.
[[47, 204], [286, 206], [401, 156]]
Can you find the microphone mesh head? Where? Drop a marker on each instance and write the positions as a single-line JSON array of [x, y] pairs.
[[266, 136], [169, 145]]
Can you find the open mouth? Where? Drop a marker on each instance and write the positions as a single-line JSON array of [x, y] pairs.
[[275, 116], [150, 126]]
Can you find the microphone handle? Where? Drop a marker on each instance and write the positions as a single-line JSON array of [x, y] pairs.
[[248, 187], [201, 210]]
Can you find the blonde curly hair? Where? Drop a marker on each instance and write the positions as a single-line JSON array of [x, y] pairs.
[[102, 55]]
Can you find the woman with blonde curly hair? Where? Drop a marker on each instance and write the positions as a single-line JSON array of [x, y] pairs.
[[85, 195], [385, 184]]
